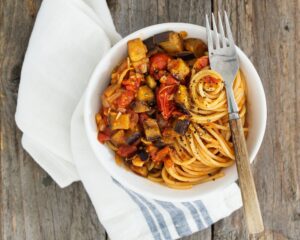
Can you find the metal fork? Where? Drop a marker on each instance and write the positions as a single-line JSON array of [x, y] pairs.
[[223, 59]]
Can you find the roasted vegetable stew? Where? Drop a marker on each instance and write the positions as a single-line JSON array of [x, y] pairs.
[[146, 103]]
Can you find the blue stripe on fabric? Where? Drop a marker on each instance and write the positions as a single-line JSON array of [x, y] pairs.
[[202, 209], [195, 214], [159, 217], [178, 218], [151, 224]]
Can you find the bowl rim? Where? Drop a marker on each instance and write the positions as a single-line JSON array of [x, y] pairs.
[[95, 77]]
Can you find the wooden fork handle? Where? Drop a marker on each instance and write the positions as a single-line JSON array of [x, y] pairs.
[[251, 205]]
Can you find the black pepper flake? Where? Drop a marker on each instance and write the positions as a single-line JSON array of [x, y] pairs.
[[195, 131], [209, 174], [213, 179]]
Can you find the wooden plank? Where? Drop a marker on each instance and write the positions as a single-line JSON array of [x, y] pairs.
[[268, 31], [32, 206]]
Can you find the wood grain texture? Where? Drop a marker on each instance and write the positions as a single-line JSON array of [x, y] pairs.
[[268, 32], [251, 206], [33, 207]]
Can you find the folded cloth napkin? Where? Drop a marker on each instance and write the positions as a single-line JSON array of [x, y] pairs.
[[68, 40]]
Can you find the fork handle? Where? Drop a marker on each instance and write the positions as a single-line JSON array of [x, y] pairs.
[[251, 205]]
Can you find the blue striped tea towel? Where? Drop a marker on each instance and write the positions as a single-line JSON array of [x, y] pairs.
[[128, 215]]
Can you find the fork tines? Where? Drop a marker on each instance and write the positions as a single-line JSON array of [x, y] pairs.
[[217, 40]]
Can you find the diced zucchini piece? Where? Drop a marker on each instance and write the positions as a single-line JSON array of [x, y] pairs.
[[145, 94], [151, 82], [178, 68], [118, 121], [152, 131], [136, 49]]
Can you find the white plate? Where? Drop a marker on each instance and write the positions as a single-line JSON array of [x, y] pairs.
[[256, 106]]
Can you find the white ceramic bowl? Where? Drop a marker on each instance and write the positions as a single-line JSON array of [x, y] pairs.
[[257, 114]]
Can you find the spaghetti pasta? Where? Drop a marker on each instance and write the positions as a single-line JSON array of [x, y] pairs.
[[209, 148]]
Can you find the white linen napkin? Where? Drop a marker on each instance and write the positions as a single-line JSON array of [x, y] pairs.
[[68, 40]]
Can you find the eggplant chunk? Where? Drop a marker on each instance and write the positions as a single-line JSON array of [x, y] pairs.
[[118, 121], [178, 68], [136, 50], [156, 39], [149, 42], [152, 113], [142, 153], [185, 55], [140, 107], [133, 138], [159, 143], [174, 43], [195, 46], [162, 123], [181, 125], [145, 94], [182, 98], [152, 131], [161, 37]]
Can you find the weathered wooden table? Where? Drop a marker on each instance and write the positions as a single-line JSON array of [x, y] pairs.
[[33, 207]]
